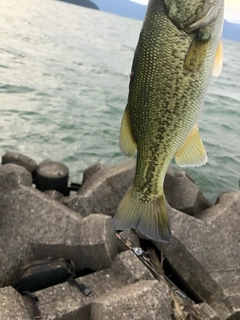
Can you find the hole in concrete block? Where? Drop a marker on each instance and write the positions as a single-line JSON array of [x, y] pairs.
[[176, 278], [84, 272], [171, 273]]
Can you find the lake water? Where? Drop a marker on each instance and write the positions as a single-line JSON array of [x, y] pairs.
[[64, 73]]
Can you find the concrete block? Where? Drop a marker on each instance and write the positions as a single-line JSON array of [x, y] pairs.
[[19, 159], [103, 191], [53, 194], [127, 266], [226, 202], [98, 242], [66, 302], [206, 312], [206, 255], [12, 176], [12, 305], [87, 173], [128, 235], [51, 175], [33, 227], [182, 194], [138, 301]]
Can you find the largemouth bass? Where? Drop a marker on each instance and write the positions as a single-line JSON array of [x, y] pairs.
[[179, 48]]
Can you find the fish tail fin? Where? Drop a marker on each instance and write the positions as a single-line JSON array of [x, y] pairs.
[[150, 217]]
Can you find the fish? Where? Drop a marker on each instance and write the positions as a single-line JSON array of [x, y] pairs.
[[178, 51]]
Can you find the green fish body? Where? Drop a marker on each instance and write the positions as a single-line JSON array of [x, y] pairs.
[[178, 49]]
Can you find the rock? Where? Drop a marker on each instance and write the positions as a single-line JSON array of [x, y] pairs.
[[19, 159], [98, 242], [182, 194], [225, 202], [186, 310], [12, 305], [33, 227], [53, 194], [12, 176], [103, 191], [207, 312], [127, 266], [66, 302], [206, 255], [141, 300], [87, 173], [52, 175], [130, 236]]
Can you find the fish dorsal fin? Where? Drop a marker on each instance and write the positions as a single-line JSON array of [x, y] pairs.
[[127, 142], [192, 153], [218, 62]]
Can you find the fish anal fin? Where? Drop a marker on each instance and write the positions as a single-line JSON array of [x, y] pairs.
[[192, 153], [127, 142], [218, 62], [151, 218]]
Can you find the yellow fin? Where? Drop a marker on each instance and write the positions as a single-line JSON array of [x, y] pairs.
[[127, 142], [151, 218], [192, 153], [218, 63], [196, 54]]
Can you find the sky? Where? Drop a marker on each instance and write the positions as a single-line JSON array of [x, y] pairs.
[[232, 9]]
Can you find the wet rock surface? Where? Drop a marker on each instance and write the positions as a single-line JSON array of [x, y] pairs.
[[203, 258]]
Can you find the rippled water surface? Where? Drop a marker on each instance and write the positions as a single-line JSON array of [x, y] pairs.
[[64, 73]]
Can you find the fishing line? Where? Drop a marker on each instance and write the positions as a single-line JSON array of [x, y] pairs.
[[144, 258]]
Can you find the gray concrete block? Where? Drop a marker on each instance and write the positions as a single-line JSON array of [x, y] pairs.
[[128, 235], [78, 203], [206, 312], [127, 266], [19, 159], [98, 242], [12, 305], [141, 300], [103, 191], [87, 173], [206, 255], [182, 194], [33, 227], [53, 194], [51, 175], [12, 176], [66, 302], [226, 202]]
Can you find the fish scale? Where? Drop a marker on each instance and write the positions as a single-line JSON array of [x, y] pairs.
[[171, 71]]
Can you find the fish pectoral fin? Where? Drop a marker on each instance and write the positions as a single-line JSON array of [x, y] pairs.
[[127, 142], [218, 62], [196, 54], [192, 153], [150, 218]]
